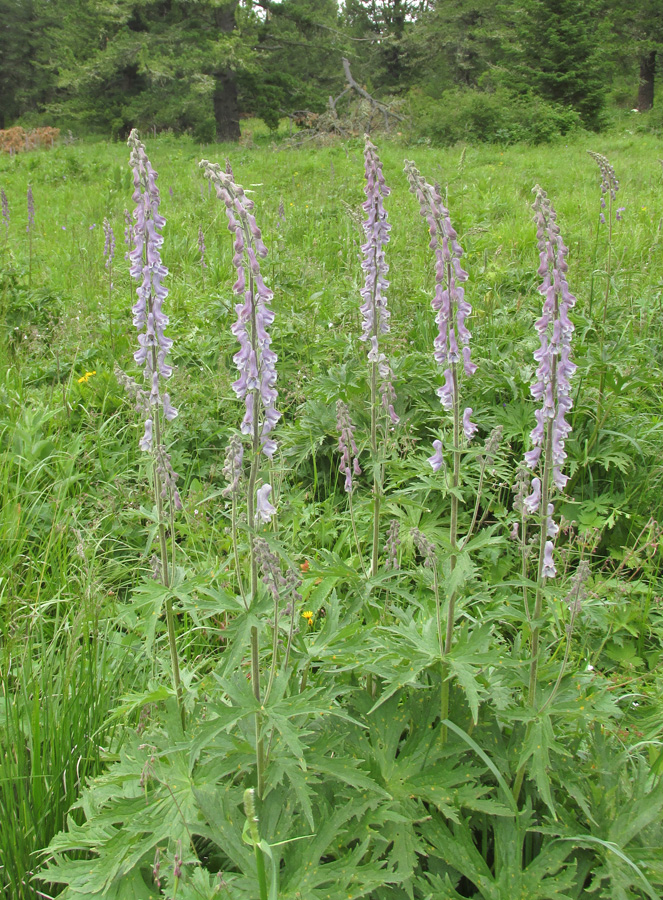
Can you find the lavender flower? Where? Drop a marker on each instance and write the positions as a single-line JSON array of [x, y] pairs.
[[264, 509], [437, 459], [347, 445], [109, 245], [255, 359], [555, 368], [452, 344], [147, 268], [31, 211], [469, 428], [5, 211], [374, 309]]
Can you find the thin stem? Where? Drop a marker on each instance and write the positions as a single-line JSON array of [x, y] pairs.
[[238, 570], [605, 309], [110, 307], [523, 561], [275, 648], [477, 503], [354, 531]]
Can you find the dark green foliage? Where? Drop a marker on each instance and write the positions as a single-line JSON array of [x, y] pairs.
[[559, 55]]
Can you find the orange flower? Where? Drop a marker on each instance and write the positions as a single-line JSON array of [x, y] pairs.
[[305, 566]]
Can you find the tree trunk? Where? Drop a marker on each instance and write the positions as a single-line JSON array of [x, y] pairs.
[[226, 106], [646, 85]]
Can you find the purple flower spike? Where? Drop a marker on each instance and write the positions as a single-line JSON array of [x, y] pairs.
[[437, 459], [452, 310], [31, 211], [201, 247], [148, 270], [255, 359], [264, 509], [347, 446], [552, 389], [5, 211], [109, 245], [374, 308]]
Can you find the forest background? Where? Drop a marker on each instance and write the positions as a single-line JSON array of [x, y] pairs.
[[467, 69]]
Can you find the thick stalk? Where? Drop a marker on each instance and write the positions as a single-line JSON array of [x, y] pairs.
[[538, 600], [377, 487], [165, 571], [252, 819], [453, 534]]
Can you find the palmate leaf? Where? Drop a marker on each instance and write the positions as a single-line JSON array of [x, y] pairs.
[[547, 877], [143, 801], [539, 742]]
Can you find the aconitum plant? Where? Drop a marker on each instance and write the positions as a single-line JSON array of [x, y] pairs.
[[375, 324], [552, 389], [151, 321], [256, 386], [452, 347]]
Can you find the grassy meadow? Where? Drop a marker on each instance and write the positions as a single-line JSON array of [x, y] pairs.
[[369, 790]]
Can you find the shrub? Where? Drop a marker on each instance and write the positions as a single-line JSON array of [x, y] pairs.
[[495, 117]]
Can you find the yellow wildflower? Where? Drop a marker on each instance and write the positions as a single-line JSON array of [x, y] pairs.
[[87, 376], [308, 615]]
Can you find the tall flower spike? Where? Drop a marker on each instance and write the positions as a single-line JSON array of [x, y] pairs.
[[5, 211], [452, 344], [109, 244], [149, 271], [255, 359], [609, 181], [31, 211], [555, 369], [374, 311]]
